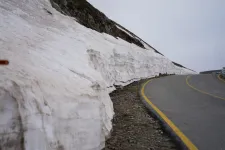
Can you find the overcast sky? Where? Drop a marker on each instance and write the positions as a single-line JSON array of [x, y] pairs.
[[190, 32]]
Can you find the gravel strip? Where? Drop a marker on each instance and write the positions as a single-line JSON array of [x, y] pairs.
[[133, 126]]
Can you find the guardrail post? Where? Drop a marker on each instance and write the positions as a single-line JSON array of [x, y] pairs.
[[223, 72]]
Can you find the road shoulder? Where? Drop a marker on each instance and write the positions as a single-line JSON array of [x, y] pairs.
[[133, 126]]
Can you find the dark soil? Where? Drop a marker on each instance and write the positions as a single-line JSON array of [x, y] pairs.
[[133, 126]]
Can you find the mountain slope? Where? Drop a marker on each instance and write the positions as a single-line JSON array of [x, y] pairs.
[[92, 18], [54, 94]]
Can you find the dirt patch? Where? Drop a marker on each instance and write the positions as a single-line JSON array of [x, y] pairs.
[[133, 127]]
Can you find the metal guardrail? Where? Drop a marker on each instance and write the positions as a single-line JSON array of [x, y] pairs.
[[223, 72]]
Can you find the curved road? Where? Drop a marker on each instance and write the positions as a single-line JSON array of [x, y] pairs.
[[195, 105]]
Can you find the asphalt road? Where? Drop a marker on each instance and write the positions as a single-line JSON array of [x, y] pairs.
[[196, 107]]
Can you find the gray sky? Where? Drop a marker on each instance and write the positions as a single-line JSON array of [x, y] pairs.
[[190, 32]]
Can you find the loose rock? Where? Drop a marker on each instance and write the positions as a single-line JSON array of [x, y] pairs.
[[133, 127]]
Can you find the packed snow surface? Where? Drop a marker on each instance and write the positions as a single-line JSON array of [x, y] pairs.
[[54, 94]]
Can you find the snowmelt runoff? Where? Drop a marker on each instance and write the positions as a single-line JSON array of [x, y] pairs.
[[54, 94]]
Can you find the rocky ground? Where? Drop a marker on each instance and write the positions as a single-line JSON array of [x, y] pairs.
[[133, 126]]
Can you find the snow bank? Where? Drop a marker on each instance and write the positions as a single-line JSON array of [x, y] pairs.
[[54, 92]]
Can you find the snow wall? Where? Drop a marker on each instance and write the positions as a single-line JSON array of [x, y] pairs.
[[54, 94]]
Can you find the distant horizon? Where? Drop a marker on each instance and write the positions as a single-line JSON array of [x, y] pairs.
[[193, 38]]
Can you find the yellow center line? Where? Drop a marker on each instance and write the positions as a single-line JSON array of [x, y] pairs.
[[175, 129], [203, 92], [220, 78]]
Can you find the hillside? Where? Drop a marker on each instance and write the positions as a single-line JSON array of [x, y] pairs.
[[54, 94], [89, 16], [92, 18]]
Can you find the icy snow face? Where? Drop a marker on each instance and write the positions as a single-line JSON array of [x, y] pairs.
[[54, 92]]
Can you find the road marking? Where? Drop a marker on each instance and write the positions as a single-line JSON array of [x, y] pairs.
[[191, 86], [175, 129], [220, 78]]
